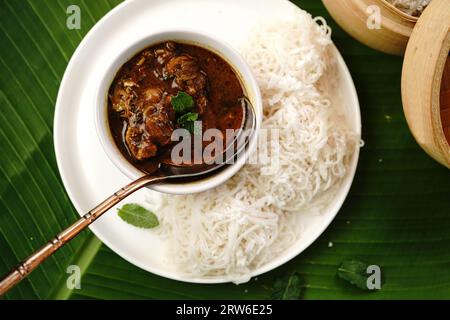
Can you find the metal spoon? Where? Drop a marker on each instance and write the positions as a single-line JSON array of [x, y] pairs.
[[166, 171]]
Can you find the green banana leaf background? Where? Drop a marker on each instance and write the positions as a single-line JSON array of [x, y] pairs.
[[397, 215]]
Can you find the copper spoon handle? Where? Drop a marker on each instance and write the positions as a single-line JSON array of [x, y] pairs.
[[29, 264]]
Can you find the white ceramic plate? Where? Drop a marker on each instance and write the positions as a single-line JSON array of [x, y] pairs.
[[88, 174]]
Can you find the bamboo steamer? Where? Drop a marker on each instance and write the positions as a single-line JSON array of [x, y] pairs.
[[426, 67], [395, 26], [445, 100], [426, 81]]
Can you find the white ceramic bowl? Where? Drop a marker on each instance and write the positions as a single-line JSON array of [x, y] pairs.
[[222, 49]]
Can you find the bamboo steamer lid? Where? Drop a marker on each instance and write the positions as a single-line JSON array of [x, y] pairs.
[[426, 81], [395, 26]]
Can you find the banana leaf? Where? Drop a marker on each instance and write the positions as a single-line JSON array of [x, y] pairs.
[[397, 214]]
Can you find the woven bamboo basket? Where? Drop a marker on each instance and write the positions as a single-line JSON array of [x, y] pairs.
[[426, 81], [425, 42], [355, 16]]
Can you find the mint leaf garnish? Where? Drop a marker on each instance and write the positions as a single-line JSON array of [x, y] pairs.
[[138, 216], [188, 117], [188, 122], [354, 272], [182, 103], [287, 288]]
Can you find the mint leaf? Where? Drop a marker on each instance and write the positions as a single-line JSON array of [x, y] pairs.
[[188, 122], [193, 127], [287, 288], [354, 272], [182, 103], [188, 117], [138, 216]]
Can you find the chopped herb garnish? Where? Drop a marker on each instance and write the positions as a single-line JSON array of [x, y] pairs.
[[354, 272], [188, 117], [182, 103], [193, 127], [287, 288], [138, 216], [189, 122]]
